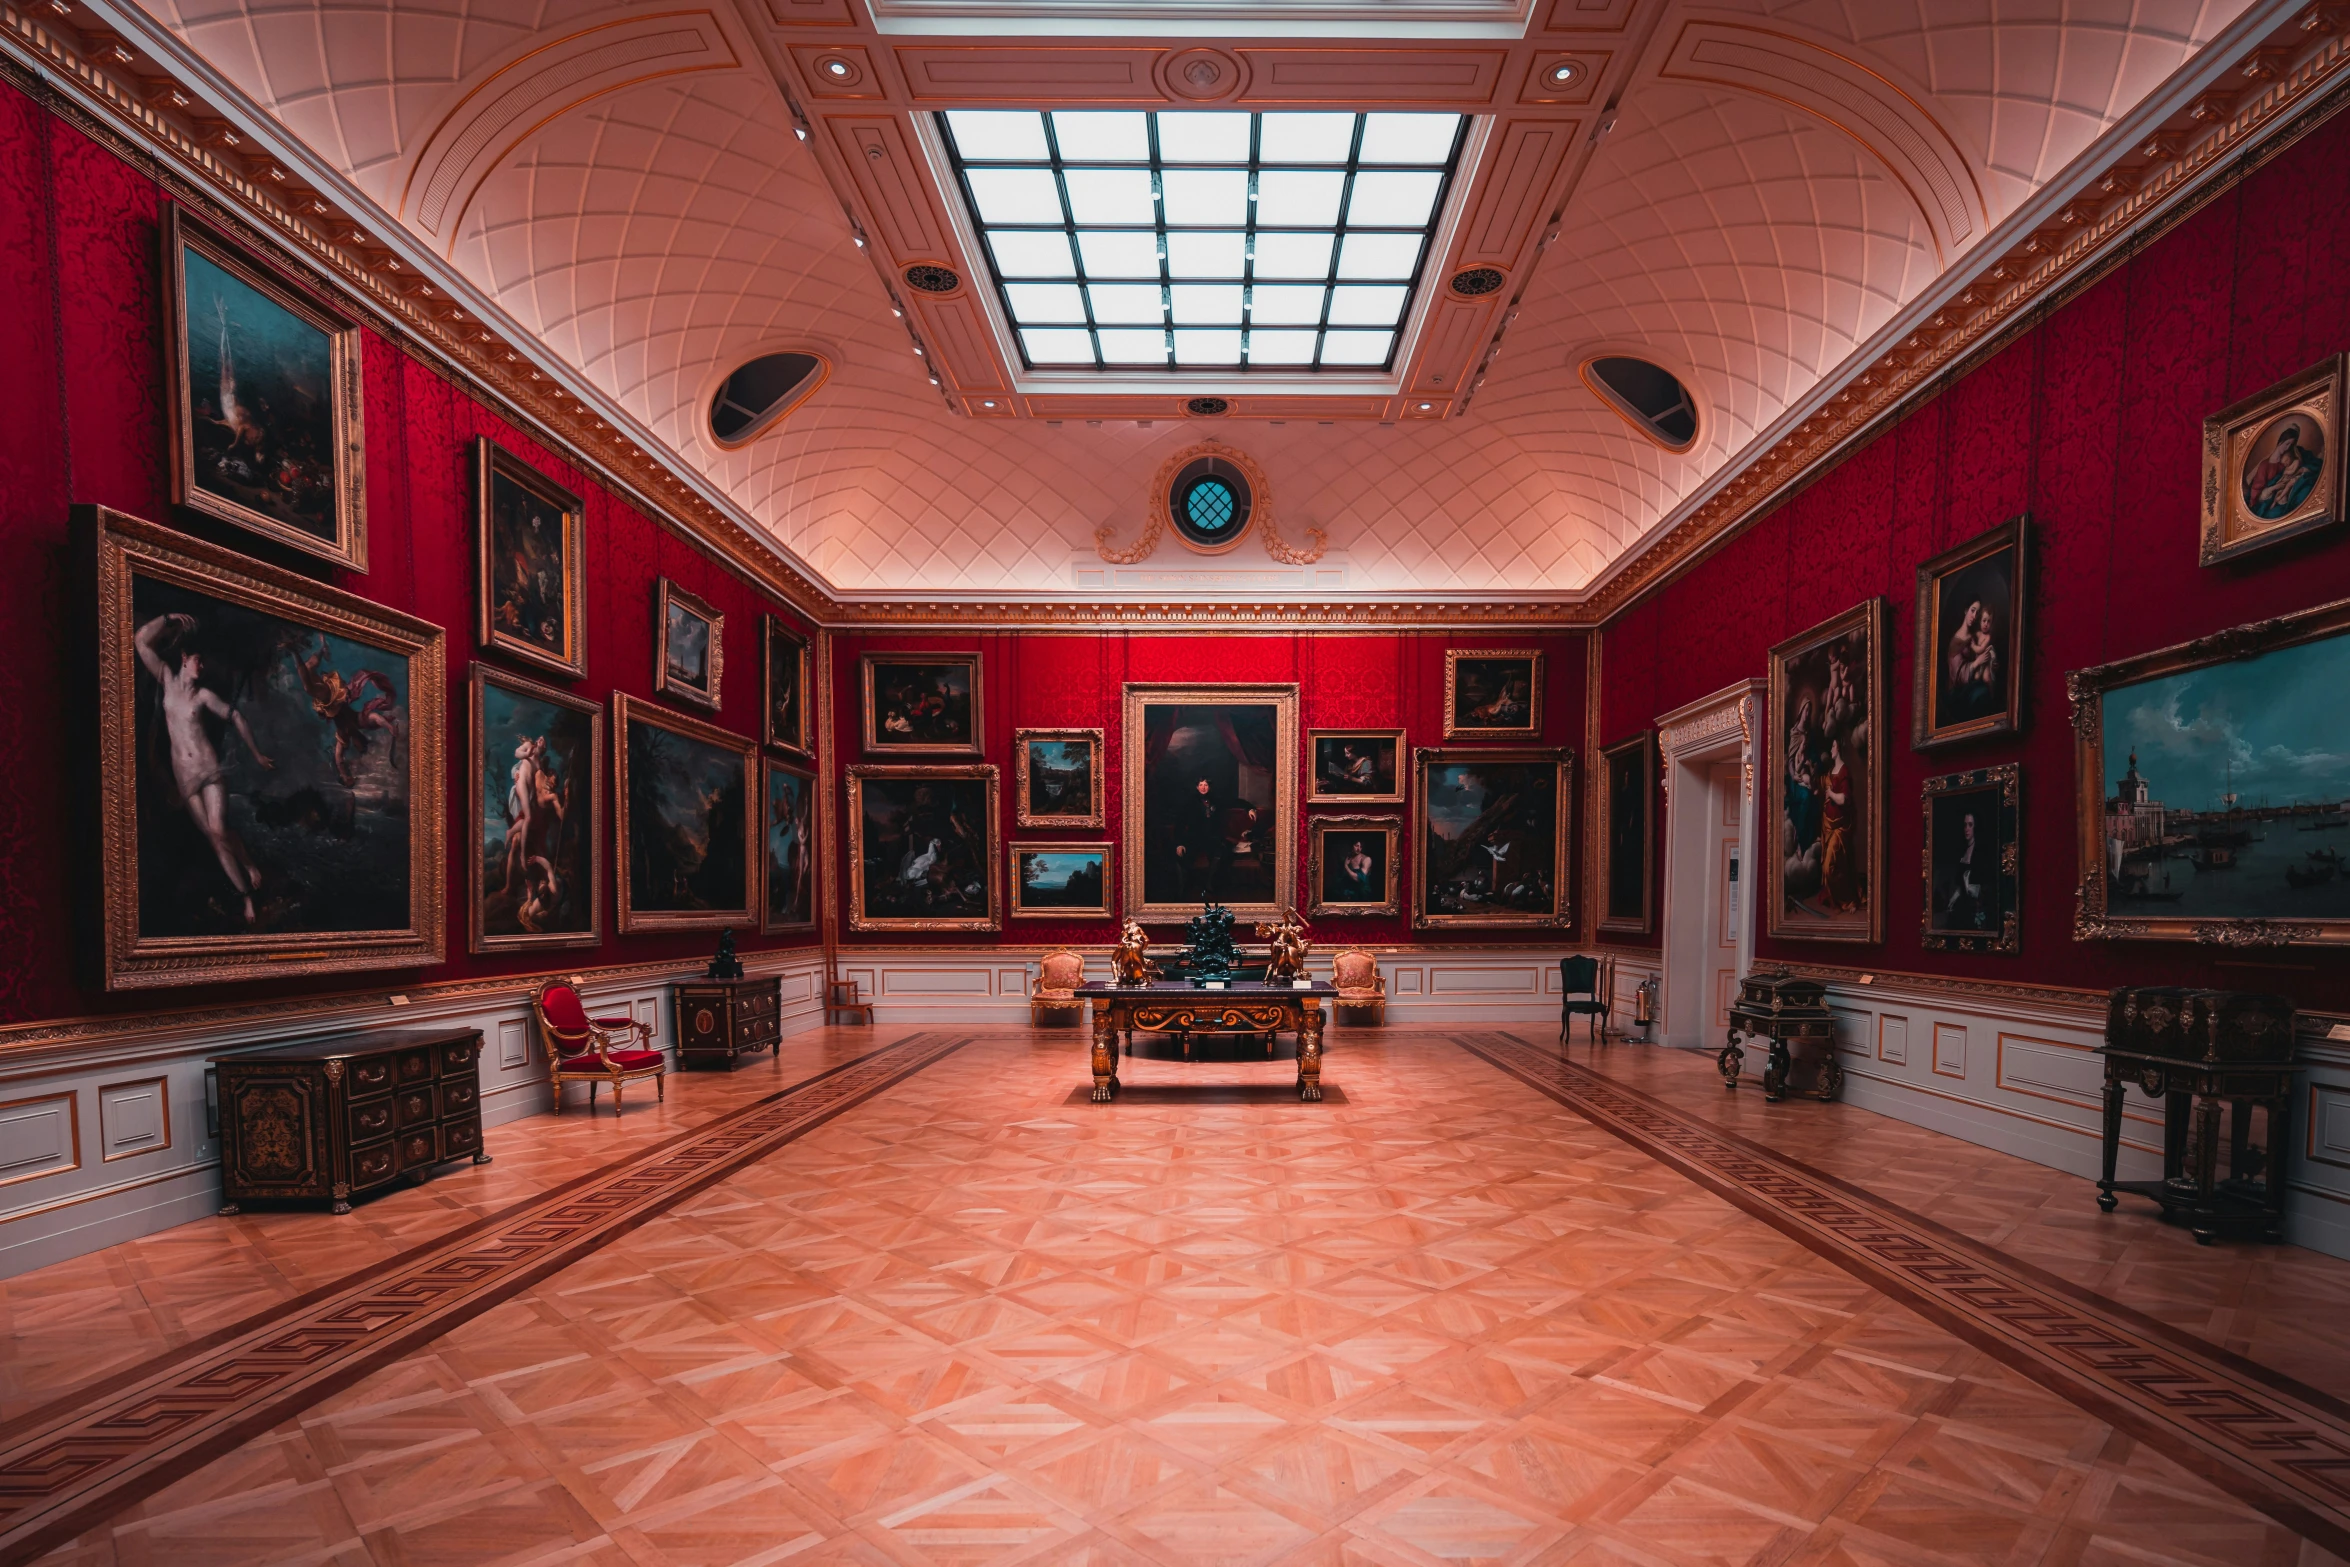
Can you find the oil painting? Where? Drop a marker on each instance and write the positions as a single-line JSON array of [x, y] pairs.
[[1351, 866], [922, 848], [271, 777], [1060, 880], [1493, 694], [2215, 787], [1355, 766], [265, 402], [1828, 782], [787, 688], [687, 832], [1210, 799], [1627, 837], [2273, 464], [1971, 861], [532, 569], [537, 761], [1492, 846], [1057, 777], [922, 704], [1969, 663], [689, 646], [788, 875]]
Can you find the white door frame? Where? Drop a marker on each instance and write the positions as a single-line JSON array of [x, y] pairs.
[[1690, 741]]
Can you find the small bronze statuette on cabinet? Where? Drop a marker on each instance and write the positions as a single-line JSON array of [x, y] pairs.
[[333, 1118], [720, 1019]]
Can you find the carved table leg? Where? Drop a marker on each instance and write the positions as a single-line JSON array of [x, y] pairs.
[[1732, 1060], [1105, 1054], [2115, 1091], [1775, 1071], [1831, 1077], [1309, 1051], [2206, 1167], [481, 1158]]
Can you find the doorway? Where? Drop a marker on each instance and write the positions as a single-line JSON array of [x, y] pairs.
[[1707, 751]]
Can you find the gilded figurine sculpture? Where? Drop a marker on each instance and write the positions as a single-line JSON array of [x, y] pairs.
[[1287, 960], [1129, 963]]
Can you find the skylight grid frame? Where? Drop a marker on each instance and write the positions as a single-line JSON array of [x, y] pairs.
[[1058, 163]]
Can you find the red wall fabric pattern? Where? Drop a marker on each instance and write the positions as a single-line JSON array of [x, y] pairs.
[[2091, 421], [1035, 681], [82, 419]]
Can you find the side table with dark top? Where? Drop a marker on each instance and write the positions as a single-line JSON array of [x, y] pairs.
[[721, 1019], [1784, 1012], [330, 1119]]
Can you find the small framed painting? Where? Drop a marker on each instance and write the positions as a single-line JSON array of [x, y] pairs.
[[530, 548], [538, 815], [1356, 766], [787, 687], [1057, 777], [2272, 464], [788, 877], [1492, 839], [1627, 840], [1970, 639], [922, 848], [1060, 880], [1493, 694], [1970, 861], [1353, 866], [689, 646], [265, 399], [688, 832], [922, 704], [1827, 818]]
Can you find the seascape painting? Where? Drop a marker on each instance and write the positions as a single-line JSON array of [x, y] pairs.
[[922, 703], [1210, 795], [1828, 782], [1057, 777], [1064, 879], [922, 848], [789, 875], [1492, 844], [532, 575], [537, 770], [685, 798]]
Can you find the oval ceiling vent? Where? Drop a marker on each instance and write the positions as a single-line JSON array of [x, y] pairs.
[[1208, 407], [928, 278], [1648, 395], [1477, 282], [761, 392]]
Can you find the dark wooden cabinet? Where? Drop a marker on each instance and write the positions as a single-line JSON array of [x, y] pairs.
[[333, 1118], [720, 1019]]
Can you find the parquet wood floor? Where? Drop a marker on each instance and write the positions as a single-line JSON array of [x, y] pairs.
[[1446, 1320]]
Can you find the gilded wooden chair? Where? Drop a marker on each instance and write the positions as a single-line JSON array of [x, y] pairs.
[[1058, 975], [1361, 987], [594, 1050]]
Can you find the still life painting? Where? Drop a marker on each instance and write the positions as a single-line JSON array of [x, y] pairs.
[[1067, 880], [537, 767], [532, 567], [687, 832], [1210, 799], [270, 768], [1057, 777], [922, 703], [1492, 846], [689, 646], [922, 848], [1828, 781], [788, 878]]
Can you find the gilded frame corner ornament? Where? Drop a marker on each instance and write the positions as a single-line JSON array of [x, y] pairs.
[[665, 594], [853, 808], [1133, 787], [2006, 824], [1095, 816], [492, 462], [2230, 528], [1390, 825]]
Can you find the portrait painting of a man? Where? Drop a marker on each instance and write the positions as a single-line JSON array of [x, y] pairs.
[[1827, 781], [1210, 798], [1971, 869], [537, 777]]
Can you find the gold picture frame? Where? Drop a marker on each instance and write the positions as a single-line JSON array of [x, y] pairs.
[[1471, 783], [1812, 668], [893, 791], [224, 269], [677, 643], [1105, 908], [1627, 833], [641, 847], [1387, 871], [786, 663], [493, 464], [1469, 715], [1026, 778], [776, 871], [147, 575], [1269, 710], [1327, 772], [581, 832], [940, 729], [2257, 487], [1955, 878], [1973, 608]]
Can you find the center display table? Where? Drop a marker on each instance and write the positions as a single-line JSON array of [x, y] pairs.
[[1242, 1006]]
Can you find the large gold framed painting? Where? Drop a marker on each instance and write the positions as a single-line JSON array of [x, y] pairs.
[[1827, 817], [270, 772], [2273, 464], [2214, 785], [1210, 796], [1492, 847], [537, 780], [689, 820], [922, 847]]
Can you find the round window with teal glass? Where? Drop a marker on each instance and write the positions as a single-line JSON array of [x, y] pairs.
[[1209, 503]]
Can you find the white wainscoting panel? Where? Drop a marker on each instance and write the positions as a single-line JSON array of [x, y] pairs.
[[133, 1118]]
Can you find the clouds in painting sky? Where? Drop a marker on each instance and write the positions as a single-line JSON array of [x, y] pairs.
[[2282, 720]]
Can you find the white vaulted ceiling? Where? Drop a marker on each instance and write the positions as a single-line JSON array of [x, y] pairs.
[[1780, 180]]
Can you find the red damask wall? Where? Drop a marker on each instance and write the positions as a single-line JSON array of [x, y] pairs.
[[82, 375], [1377, 682], [2092, 422]]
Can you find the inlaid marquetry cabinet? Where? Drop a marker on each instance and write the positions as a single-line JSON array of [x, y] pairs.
[[334, 1118], [720, 1019]]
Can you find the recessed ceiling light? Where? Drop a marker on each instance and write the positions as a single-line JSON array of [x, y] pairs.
[[836, 68], [801, 131], [1424, 407], [987, 403], [1562, 73]]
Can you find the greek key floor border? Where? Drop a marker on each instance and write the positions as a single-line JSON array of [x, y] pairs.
[[88, 1456], [2262, 1438]]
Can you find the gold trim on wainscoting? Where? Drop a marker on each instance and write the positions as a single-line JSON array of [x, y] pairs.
[[163, 1100], [73, 1121]]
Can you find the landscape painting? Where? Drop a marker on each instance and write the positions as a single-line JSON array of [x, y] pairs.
[[1492, 838], [788, 878], [1060, 880], [1210, 799], [532, 570], [1057, 777], [537, 768], [922, 848], [1828, 784], [689, 646], [922, 704], [687, 833], [265, 410], [271, 768]]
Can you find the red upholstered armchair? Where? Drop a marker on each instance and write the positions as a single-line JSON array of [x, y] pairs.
[[594, 1050]]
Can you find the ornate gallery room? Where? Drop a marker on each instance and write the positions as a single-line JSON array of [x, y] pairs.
[[1175, 783]]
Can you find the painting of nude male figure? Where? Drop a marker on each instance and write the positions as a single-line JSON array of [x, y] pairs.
[[271, 775], [537, 758]]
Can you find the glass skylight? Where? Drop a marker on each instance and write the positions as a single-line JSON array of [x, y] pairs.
[[1125, 239]]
